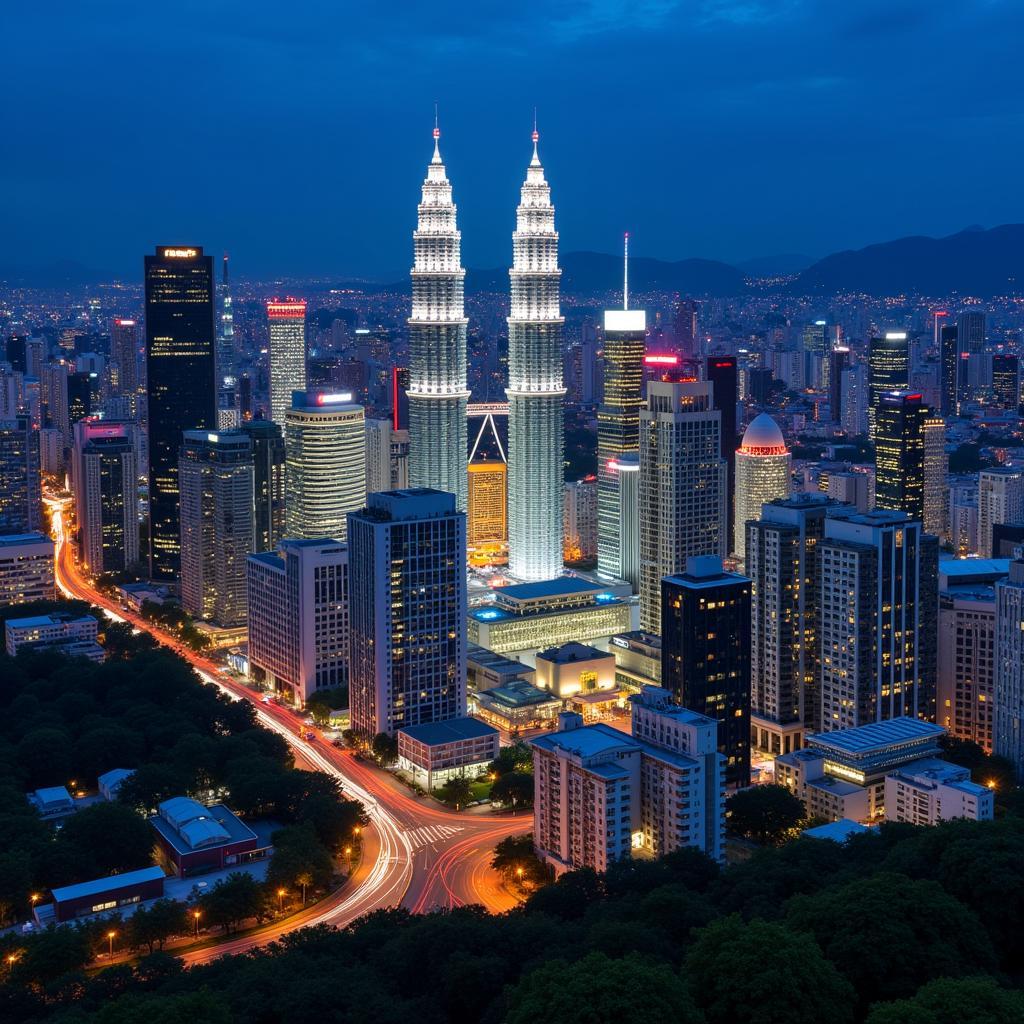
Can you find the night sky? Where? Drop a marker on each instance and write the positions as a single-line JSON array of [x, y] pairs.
[[296, 135]]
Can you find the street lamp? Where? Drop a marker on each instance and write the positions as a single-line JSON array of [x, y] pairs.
[[519, 873], [280, 901], [196, 914], [110, 940]]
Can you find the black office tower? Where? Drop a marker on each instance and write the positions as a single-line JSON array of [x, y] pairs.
[[705, 653], [721, 371], [950, 368], [899, 453], [889, 362], [268, 481], [79, 397], [1006, 380], [182, 383]]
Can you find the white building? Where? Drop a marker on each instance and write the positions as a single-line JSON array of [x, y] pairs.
[[600, 794], [407, 558], [927, 792], [325, 464], [763, 466], [298, 616], [1000, 500], [73, 635], [26, 569], [936, 470], [1008, 724], [536, 437], [387, 457], [579, 522], [434, 752], [854, 391], [287, 325], [682, 486]]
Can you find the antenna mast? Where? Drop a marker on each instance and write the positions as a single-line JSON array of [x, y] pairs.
[[625, 271]]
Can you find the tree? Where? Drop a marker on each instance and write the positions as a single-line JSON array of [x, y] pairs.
[[759, 972], [514, 758], [988, 769], [515, 788], [954, 1001], [515, 859], [231, 901], [152, 926], [598, 989], [298, 855], [51, 954], [859, 924], [456, 791], [384, 748], [764, 814], [570, 897], [106, 838], [333, 820]]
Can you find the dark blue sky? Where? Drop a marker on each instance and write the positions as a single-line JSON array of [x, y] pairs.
[[296, 134]]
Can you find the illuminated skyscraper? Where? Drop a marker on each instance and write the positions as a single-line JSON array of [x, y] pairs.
[[325, 464], [950, 361], [287, 322], [437, 342], [889, 361], [487, 521], [21, 501], [899, 453], [181, 383], [763, 466], [1006, 380], [1008, 720], [535, 391], [618, 423], [268, 481], [1000, 500], [226, 334], [580, 520], [124, 351], [724, 377], [936, 469], [682, 486]]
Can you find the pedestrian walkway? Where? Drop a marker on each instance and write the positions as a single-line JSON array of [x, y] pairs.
[[427, 834]]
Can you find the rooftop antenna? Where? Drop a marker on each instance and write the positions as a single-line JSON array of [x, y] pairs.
[[535, 136], [437, 136], [625, 271]]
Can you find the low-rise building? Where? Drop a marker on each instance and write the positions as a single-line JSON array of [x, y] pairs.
[[193, 839], [929, 791], [516, 707], [52, 801], [110, 782], [26, 569], [530, 617], [841, 831], [134, 595], [600, 794], [99, 895], [72, 635], [637, 660], [573, 669], [434, 752], [486, 670]]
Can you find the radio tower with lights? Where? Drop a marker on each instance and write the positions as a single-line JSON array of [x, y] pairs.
[[535, 390], [437, 341]]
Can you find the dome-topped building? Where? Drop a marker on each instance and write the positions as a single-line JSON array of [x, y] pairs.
[[763, 467]]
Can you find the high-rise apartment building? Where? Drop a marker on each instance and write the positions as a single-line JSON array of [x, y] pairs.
[[105, 482], [298, 617], [1000, 500], [900, 452], [387, 456], [217, 528], [580, 520], [682, 490], [21, 498], [287, 325], [889, 363], [487, 519], [854, 387], [763, 470], [124, 351], [618, 426], [1008, 719], [724, 377], [268, 458], [782, 552], [26, 569], [936, 470], [181, 378], [816, 344], [437, 342], [705, 653], [325, 464], [1006, 380], [407, 611], [875, 572], [949, 358], [600, 794]]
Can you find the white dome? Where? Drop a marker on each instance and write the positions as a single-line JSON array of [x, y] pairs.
[[763, 432]]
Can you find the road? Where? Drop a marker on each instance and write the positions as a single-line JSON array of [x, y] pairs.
[[418, 854]]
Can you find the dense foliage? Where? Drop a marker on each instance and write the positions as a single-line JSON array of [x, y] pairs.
[[917, 926]]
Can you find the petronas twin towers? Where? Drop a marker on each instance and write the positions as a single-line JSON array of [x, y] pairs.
[[437, 373]]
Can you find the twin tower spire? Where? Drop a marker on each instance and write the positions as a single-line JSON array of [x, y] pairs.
[[438, 392]]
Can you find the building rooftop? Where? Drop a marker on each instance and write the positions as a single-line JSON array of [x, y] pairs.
[[56, 619], [101, 885], [973, 570], [187, 832], [114, 776], [588, 741], [17, 539], [518, 694], [487, 658], [763, 433], [563, 585], [451, 731], [876, 736], [570, 652], [838, 831]]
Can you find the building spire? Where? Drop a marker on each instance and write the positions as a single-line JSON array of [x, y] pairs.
[[437, 135], [535, 162], [625, 271]]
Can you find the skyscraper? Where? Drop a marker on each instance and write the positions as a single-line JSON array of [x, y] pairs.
[[936, 469], [226, 335], [181, 379], [839, 360], [705, 653], [1006, 380], [1000, 500], [217, 530], [682, 486], [407, 662], [105, 481], [763, 467], [325, 464], [721, 371], [900, 452], [437, 342], [535, 391], [580, 520], [21, 498], [124, 351], [1008, 720], [889, 361], [949, 351], [287, 321], [782, 561], [873, 582], [618, 424], [970, 331], [686, 330], [268, 458], [487, 519], [854, 401], [816, 346]]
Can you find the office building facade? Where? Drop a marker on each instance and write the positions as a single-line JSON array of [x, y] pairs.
[[287, 328], [900, 452], [579, 542], [26, 569], [889, 370], [1008, 718], [21, 497], [763, 474], [268, 459], [1000, 500]]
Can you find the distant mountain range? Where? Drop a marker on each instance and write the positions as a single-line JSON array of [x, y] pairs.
[[971, 262]]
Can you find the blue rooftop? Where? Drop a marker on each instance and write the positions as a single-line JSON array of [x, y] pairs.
[[433, 733], [101, 885], [867, 739], [562, 585]]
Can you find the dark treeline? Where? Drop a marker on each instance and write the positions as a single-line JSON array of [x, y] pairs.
[[906, 926]]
